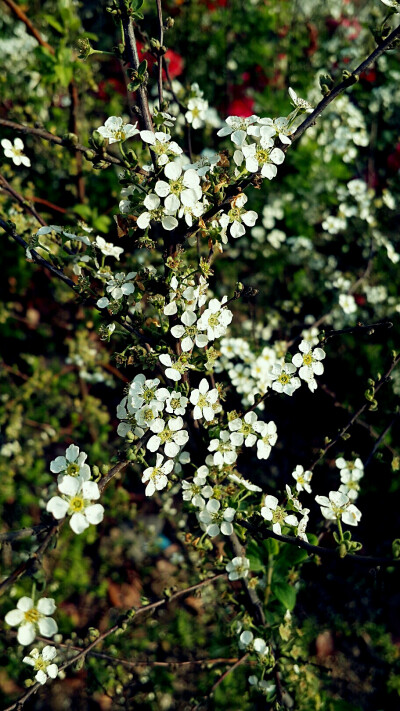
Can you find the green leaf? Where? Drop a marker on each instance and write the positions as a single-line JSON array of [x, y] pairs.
[[54, 23], [286, 595]]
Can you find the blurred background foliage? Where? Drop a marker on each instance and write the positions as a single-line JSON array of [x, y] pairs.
[[60, 383]]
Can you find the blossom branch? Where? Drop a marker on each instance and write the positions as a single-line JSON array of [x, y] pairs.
[[346, 83], [42, 133], [119, 626], [234, 189]]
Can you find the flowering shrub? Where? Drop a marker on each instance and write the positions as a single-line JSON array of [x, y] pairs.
[[149, 366]]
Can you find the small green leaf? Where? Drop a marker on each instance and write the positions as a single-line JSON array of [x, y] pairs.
[[286, 595]]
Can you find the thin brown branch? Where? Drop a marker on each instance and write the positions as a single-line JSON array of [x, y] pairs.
[[384, 379], [260, 532], [42, 133], [160, 56], [73, 128], [132, 57], [9, 229], [255, 605], [5, 185], [18, 12]]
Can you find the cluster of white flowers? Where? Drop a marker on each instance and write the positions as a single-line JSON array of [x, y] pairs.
[[30, 618], [78, 491], [350, 475]]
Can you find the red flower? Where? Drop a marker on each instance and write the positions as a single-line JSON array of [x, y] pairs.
[[242, 106], [173, 60]]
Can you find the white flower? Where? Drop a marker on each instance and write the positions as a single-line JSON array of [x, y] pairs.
[[161, 145], [77, 503], [268, 437], [225, 450], [157, 476], [203, 400], [243, 430], [338, 506], [156, 213], [237, 128], [215, 319], [176, 404], [279, 126], [272, 512], [245, 639], [170, 434], [196, 112], [198, 489], [173, 369], [43, 664], [238, 567], [348, 303], [107, 248], [72, 464], [392, 3], [237, 215], [191, 211], [302, 479], [300, 103], [260, 157], [244, 482], [15, 151], [188, 333], [283, 380], [121, 285], [145, 392], [182, 188], [115, 131], [215, 520], [29, 616], [148, 413], [205, 164], [309, 361]]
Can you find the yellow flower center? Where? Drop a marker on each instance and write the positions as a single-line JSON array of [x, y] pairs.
[[165, 435], [73, 469], [32, 615], [40, 665], [77, 504], [119, 135], [307, 359], [284, 379]]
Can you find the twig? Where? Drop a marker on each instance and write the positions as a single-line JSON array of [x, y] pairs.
[[145, 340], [140, 611], [261, 533], [133, 59], [255, 603], [73, 128], [28, 24], [234, 189], [379, 440], [228, 671], [384, 379], [5, 185], [42, 133], [345, 84], [359, 328], [160, 56], [22, 533]]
